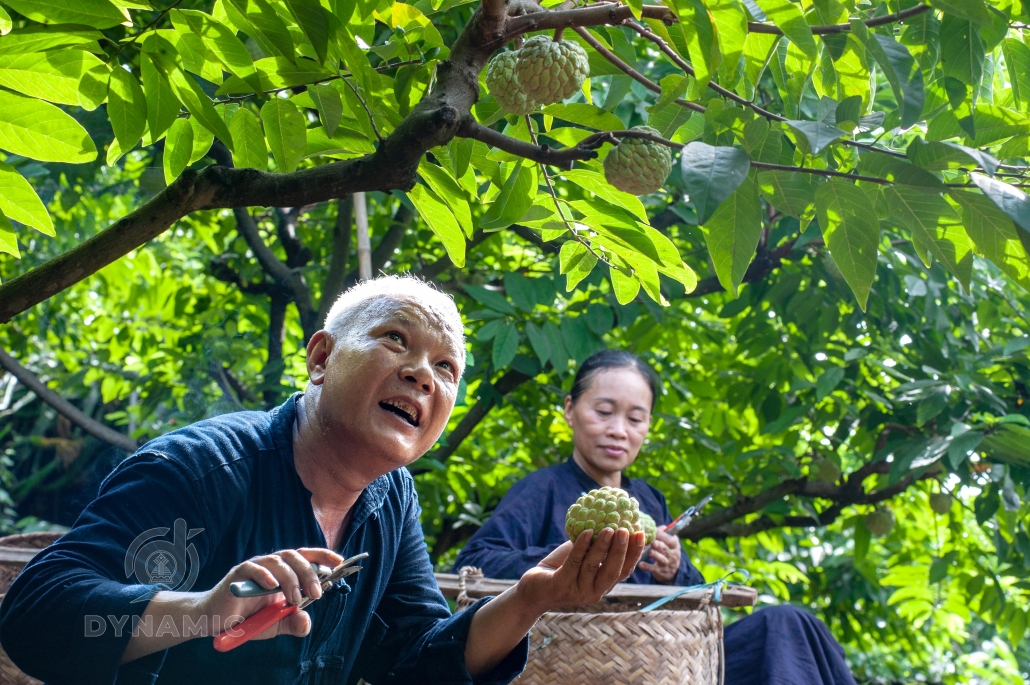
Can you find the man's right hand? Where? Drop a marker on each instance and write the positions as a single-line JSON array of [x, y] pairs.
[[290, 569]]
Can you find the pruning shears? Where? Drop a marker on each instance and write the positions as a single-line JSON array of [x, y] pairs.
[[273, 613], [681, 521]]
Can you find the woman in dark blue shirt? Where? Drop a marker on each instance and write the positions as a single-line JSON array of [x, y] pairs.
[[609, 411]]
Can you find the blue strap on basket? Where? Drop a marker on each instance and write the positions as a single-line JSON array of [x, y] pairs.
[[716, 595]]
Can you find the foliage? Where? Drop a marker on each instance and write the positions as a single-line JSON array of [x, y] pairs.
[[833, 271]]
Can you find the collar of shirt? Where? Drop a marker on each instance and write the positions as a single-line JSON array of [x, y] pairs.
[[589, 483]]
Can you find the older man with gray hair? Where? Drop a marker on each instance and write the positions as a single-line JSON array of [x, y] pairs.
[[261, 496]]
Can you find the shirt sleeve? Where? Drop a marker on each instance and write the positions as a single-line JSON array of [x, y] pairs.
[[504, 547], [69, 616], [418, 628]]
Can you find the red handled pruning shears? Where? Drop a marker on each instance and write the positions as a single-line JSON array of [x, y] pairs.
[[681, 521], [273, 613]]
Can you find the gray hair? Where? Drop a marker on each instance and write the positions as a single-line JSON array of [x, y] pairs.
[[368, 300]]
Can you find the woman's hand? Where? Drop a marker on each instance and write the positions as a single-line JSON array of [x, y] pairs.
[[666, 554], [581, 572]]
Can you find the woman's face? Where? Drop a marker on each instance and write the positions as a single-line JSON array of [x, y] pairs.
[[610, 420]]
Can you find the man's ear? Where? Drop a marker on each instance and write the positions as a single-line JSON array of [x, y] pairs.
[[319, 348]]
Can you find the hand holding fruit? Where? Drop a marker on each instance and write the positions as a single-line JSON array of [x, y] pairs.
[[665, 551]]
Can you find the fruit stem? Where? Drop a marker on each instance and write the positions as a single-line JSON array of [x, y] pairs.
[[558, 32]]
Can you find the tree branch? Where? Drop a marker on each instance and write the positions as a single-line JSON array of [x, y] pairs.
[[544, 154], [66, 408], [823, 29], [337, 275], [505, 384], [595, 15]]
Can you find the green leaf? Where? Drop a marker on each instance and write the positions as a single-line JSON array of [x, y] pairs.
[[625, 287], [941, 155], [93, 87], [828, 381], [52, 76], [357, 62], [203, 139], [162, 105], [711, 174], [346, 143], [936, 229], [441, 222], [817, 134], [1012, 201], [520, 290], [862, 538], [249, 150], [789, 19], [962, 51], [585, 115], [899, 67], [758, 47], [37, 38], [993, 123], [329, 105], [576, 262], [506, 344], [224, 44], [539, 342], [731, 25], [19, 201], [512, 202], [127, 108], [286, 130], [851, 232], [199, 105], [699, 35], [178, 148], [38, 130], [994, 234], [8, 240], [596, 184], [898, 171], [970, 10], [447, 189], [732, 234], [267, 27], [314, 22], [961, 445], [789, 192], [100, 14], [5, 27]]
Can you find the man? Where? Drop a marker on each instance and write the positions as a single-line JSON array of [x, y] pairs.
[[317, 479]]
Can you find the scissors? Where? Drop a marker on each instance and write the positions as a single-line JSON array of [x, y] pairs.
[[680, 522], [273, 613]]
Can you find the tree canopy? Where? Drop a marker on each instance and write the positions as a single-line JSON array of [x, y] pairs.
[[831, 285]]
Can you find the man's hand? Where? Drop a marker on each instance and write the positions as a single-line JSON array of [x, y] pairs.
[[665, 550], [581, 573], [289, 569]]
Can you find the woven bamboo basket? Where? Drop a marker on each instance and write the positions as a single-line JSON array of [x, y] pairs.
[[9, 673], [615, 642]]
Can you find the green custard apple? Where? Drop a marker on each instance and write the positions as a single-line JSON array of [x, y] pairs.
[[602, 508], [824, 470], [880, 522], [940, 502], [550, 71], [650, 528], [638, 166], [503, 84]]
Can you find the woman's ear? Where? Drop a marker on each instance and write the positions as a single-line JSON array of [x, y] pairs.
[[568, 410]]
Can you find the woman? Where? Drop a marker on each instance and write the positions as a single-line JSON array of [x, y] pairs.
[[609, 411]]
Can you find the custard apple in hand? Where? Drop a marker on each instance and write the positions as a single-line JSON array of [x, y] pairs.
[[650, 528], [602, 508], [504, 84], [638, 166], [548, 71]]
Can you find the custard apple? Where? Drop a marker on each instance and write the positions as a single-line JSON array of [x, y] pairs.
[[504, 85], [602, 508], [940, 502], [824, 470], [638, 166], [650, 528], [880, 522], [548, 71]]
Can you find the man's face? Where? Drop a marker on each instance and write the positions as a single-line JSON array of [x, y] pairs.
[[389, 385]]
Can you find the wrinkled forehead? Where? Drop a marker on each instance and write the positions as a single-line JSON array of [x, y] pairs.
[[434, 320]]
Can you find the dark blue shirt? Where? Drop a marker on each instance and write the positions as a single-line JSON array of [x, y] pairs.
[[233, 477], [529, 523]]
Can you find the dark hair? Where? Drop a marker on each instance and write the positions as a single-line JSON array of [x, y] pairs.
[[612, 359]]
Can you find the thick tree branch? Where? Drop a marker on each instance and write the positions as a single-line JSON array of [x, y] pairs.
[[595, 15], [824, 29], [544, 154], [64, 407], [505, 384], [334, 280]]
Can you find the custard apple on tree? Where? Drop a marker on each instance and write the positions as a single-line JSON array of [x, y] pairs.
[[602, 508], [638, 166], [824, 470], [940, 502], [550, 71], [503, 84], [650, 528], [880, 522]]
